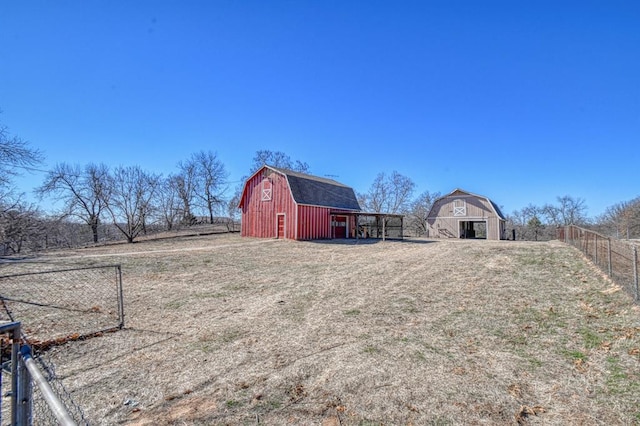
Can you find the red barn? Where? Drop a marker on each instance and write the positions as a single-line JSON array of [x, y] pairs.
[[280, 203]]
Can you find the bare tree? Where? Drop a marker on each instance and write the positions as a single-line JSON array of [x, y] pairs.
[[84, 191], [211, 177], [632, 217], [374, 200], [568, 211], [21, 227], [623, 218], [534, 223], [17, 220], [62, 232], [277, 159], [419, 211], [388, 194], [185, 185], [524, 224], [169, 202], [232, 208], [15, 153], [130, 203]]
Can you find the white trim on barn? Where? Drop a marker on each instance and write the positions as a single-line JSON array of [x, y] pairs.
[[459, 207]]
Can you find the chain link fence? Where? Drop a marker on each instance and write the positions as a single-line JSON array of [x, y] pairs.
[[56, 307], [41, 409], [31, 392], [618, 259]]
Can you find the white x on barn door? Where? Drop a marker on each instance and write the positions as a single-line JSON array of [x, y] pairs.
[[459, 208]]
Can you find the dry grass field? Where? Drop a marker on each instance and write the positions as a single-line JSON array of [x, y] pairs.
[[226, 330]]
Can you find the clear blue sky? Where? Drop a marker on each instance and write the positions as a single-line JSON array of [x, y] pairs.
[[520, 101]]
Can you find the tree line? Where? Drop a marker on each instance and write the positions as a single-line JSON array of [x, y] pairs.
[[100, 203], [393, 193], [124, 202]]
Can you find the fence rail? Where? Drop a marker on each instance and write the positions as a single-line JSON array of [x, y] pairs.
[[29, 387], [618, 259]]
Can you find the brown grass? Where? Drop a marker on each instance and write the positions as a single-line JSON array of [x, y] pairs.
[[225, 330]]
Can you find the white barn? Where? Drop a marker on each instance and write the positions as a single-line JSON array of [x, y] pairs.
[[462, 214]]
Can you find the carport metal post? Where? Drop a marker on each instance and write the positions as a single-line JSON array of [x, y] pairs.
[[384, 222]]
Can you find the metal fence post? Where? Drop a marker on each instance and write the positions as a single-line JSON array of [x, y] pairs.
[[120, 296], [15, 355], [586, 243], [635, 271], [609, 256], [23, 416]]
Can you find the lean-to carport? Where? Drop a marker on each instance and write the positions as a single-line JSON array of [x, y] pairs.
[[367, 225]]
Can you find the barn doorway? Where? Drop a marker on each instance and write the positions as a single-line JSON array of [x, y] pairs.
[[473, 229], [340, 227], [280, 230]]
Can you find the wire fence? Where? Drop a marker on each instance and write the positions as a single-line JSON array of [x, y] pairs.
[[41, 410], [56, 307], [618, 259], [31, 394]]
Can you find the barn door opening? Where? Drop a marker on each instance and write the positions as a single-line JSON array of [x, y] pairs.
[[340, 227], [280, 227], [474, 229]]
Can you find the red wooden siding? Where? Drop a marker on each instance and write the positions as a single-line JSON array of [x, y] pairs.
[[269, 211], [258, 216], [313, 223]]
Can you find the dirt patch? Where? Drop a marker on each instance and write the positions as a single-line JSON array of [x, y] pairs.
[[181, 410]]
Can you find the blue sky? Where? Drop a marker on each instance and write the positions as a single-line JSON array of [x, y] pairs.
[[518, 101]]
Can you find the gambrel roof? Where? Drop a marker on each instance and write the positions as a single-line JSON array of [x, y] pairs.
[[460, 192], [314, 190]]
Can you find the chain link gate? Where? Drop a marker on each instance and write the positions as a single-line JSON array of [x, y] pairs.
[[53, 307]]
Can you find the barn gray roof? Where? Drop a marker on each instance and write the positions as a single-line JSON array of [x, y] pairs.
[[498, 211], [318, 191]]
